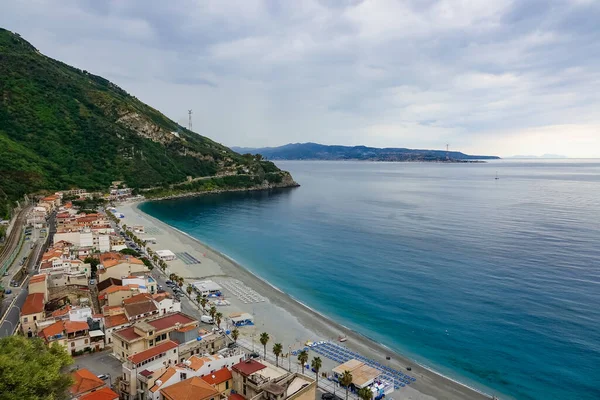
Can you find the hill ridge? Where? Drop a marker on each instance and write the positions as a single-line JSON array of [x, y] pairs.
[[62, 127]]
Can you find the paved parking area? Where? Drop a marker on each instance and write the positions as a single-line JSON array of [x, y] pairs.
[[99, 363]]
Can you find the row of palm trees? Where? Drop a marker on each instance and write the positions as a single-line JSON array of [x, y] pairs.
[[157, 260], [345, 379]]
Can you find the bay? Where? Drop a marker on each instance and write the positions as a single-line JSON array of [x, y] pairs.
[[494, 282]]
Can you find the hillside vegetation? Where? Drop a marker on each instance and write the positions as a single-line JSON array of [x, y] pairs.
[[61, 127]]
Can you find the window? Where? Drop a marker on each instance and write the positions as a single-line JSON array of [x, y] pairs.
[[35, 318], [85, 341], [152, 343], [72, 344], [24, 319], [183, 376], [226, 385]]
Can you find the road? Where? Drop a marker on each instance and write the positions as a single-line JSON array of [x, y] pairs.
[[13, 302]]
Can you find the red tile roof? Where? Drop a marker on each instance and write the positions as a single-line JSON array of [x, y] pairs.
[[153, 351], [190, 389], [53, 330], [102, 394], [248, 367], [62, 311], [218, 377], [138, 298], [235, 396], [171, 320], [34, 304], [115, 320], [127, 334], [74, 326], [85, 381], [38, 278]]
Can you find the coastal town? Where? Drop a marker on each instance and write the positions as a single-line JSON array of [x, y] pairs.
[[147, 317]]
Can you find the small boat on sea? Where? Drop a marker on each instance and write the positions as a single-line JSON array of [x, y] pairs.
[[496, 178]]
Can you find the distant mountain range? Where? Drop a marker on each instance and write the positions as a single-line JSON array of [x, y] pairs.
[[315, 151]]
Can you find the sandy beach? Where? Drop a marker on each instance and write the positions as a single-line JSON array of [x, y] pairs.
[[286, 320]]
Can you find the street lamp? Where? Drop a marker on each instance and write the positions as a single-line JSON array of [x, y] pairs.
[[290, 358]]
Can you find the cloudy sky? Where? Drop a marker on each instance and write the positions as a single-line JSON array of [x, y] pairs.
[[492, 77]]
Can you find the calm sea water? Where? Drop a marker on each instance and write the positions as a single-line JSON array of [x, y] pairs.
[[493, 282]]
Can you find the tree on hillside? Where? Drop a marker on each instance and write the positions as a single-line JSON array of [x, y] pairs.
[[264, 339], [346, 381], [31, 370], [303, 358], [277, 349]]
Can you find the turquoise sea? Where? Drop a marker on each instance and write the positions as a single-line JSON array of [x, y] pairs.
[[493, 282]]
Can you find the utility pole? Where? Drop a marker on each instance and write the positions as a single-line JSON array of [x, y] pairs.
[[190, 119]]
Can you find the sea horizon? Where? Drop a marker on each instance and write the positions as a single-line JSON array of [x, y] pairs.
[[231, 223]]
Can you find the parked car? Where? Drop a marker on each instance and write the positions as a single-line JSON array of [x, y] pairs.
[[254, 355], [103, 377], [330, 396], [169, 283], [7, 291]]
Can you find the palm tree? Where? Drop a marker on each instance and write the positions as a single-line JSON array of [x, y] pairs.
[[346, 381], [303, 358], [172, 276], [218, 317], [213, 312], [189, 289], [180, 282], [365, 393], [277, 349], [198, 298], [235, 334], [264, 339], [203, 302], [316, 365]]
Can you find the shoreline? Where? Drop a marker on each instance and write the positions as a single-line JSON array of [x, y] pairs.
[[430, 384]]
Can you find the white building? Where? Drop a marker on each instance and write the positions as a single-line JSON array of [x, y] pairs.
[[144, 283], [206, 288], [166, 255]]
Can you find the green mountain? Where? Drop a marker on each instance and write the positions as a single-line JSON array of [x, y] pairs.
[[61, 127]]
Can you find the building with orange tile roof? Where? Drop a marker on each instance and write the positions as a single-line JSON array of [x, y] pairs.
[[190, 389], [32, 312], [101, 394], [85, 382], [74, 336], [117, 265], [38, 284], [222, 380]]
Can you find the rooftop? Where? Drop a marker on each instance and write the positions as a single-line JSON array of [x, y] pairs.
[[194, 388], [170, 320], [102, 394], [135, 309], [38, 278], [218, 377], [248, 367], [76, 326], [34, 304], [115, 320], [138, 298], [50, 331], [163, 378], [153, 351], [85, 381]]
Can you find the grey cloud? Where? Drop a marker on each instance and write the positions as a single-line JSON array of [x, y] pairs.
[[384, 73]]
